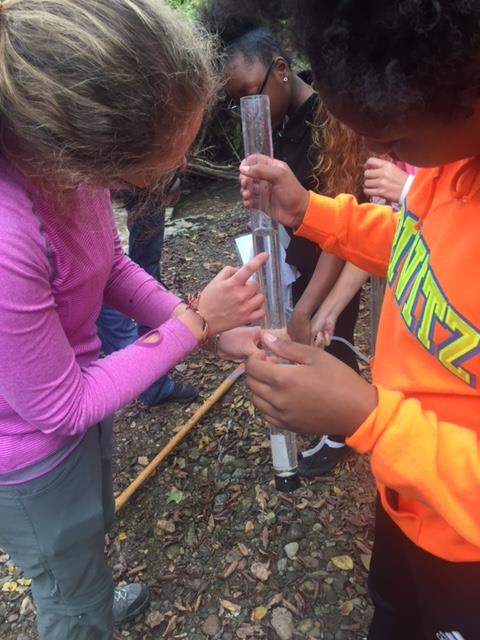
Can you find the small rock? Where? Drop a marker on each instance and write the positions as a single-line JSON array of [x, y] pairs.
[[282, 565], [234, 555], [295, 532], [155, 619], [220, 502], [211, 626], [26, 606], [330, 596], [245, 504], [143, 461], [306, 626], [164, 526], [308, 586], [282, 622], [241, 463], [173, 551], [194, 454], [311, 562], [22, 636], [291, 549], [260, 571], [191, 537], [13, 617]]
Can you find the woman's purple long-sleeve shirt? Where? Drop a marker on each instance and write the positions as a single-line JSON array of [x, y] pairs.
[[60, 259]]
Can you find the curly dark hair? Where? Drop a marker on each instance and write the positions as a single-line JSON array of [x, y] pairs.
[[242, 29], [391, 59]]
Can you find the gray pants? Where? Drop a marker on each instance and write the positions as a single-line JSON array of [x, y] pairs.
[[53, 528]]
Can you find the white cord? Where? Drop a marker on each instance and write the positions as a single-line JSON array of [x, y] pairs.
[[358, 353]]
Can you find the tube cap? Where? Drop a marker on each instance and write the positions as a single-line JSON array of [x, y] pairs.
[[286, 484]]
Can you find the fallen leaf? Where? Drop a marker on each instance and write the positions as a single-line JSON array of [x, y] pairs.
[[174, 495], [346, 608], [122, 536], [211, 523], [261, 497], [24, 582], [10, 586], [203, 441], [227, 572], [249, 526], [337, 491], [243, 549], [363, 547], [345, 563], [366, 558], [259, 613], [198, 602], [230, 606], [270, 519], [172, 623]]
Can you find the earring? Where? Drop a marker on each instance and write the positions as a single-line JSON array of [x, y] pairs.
[[285, 79]]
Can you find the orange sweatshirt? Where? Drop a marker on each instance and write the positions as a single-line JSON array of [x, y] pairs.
[[423, 436]]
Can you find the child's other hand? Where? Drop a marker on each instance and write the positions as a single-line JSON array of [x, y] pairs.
[[231, 299], [299, 327], [323, 327], [315, 394], [288, 200], [239, 343], [383, 179]]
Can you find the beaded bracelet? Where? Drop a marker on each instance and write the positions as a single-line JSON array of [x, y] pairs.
[[192, 304]]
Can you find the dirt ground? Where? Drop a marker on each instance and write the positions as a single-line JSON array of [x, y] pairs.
[[225, 555]]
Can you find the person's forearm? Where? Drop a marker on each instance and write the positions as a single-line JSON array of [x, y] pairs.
[[324, 277], [348, 284]]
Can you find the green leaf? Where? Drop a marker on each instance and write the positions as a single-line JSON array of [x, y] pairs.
[[270, 519], [174, 495]]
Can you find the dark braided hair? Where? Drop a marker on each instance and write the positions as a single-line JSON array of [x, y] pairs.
[[389, 59], [243, 31]]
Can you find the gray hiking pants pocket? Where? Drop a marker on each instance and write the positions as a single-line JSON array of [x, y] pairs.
[[53, 528]]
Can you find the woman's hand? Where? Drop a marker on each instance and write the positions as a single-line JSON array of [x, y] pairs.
[[383, 179], [300, 327], [323, 326], [288, 200], [315, 394], [239, 343], [231, 299]]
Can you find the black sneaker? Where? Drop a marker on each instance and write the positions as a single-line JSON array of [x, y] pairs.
[[322, 458], [182, 392], [129, 602]]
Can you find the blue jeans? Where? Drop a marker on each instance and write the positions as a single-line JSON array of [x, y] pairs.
[[146, 223]]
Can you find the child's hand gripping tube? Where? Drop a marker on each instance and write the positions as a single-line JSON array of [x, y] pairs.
[[257, 139]]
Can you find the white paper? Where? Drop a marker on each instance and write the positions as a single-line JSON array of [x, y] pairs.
[[289, 273]]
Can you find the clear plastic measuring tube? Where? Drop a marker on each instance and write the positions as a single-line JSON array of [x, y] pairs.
[[257, 139]]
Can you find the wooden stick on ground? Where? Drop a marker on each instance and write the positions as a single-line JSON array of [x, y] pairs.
[[179, 436]]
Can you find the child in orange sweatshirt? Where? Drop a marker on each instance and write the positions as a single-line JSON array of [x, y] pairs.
[[419, 420]]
